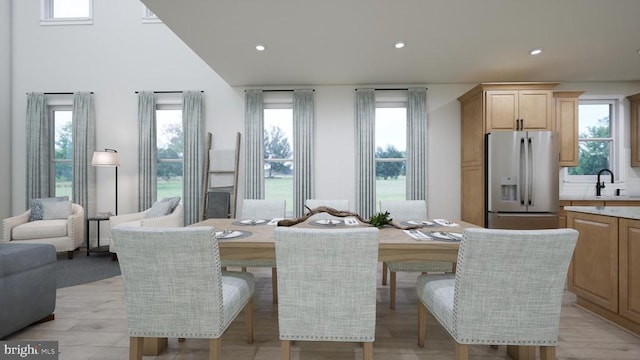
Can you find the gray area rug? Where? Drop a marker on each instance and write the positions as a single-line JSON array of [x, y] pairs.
[[84, 269]]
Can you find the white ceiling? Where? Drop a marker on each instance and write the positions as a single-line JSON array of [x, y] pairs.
[[333, 42]]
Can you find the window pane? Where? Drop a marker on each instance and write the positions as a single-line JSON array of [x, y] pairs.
[[278, 145], [170, 146], [169, 179], [71, 9], [391, 143], [62, 134], [63, 183], [594, 120], [62, 152], [593, 157]]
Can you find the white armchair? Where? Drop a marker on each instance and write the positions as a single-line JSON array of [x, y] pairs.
[[141, 219], [66, 234]]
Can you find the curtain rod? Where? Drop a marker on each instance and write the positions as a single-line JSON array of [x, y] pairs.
[[168, 92], [59, 93], [281, 90]]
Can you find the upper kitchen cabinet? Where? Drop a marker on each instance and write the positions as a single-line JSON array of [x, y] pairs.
[[635, 129], [516, 106], [566, 124]]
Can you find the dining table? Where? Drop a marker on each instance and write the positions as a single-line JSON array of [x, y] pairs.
[[257, 239]]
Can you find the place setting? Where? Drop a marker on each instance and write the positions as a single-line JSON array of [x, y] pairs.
[[452, 236], [231, 234], [335, 222]]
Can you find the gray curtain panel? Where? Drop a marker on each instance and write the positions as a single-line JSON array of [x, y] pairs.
[[84, 143], [365, 142], [254, 144], [147, 155], [194, 155], [417, 144], [304, 148], [38, 135]]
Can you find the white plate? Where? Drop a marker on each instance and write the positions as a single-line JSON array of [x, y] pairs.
[[228, 234], [254, 221], [329, 222]]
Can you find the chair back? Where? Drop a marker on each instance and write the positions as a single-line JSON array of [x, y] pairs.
[[404, 210], [172, 281], [509, 284], [263, 209], [327, 283], [342, 205]]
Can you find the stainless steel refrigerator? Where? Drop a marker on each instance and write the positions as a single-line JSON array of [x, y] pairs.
[[522, 180]]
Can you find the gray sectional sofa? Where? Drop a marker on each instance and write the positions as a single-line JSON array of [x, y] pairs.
[[27, 285]]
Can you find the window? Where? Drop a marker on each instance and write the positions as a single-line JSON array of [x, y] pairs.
[[61, 119], [170, 144], [596, 139], [391, 151], [278, 153], [65, 12], [148, 17]]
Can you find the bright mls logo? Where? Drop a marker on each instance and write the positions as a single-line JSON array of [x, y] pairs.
[[42, 350]]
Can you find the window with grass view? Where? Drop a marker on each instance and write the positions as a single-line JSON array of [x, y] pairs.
[[62, 150], [170, 151], [278, 155], [391, 152], [596, 150]]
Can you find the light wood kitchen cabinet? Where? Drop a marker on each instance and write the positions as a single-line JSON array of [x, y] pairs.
[[629, 276], [635, 129], [496, 107], [593, 274], [562, 213], [566, 124], [519, 109]]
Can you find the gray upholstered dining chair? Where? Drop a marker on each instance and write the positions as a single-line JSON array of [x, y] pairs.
[[507, 290], [260, 209], [174, 286], [327, 286], [342, 205], [401, 211]]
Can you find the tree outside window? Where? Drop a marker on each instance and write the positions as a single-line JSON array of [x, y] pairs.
[[62, 152], [391, 152], [595, 140], [278, 155], [170, 145]]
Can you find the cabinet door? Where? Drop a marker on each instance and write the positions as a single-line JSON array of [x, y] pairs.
[[472, 132], [535, 109], [473, 195], [630, 269], [566, 123], [593, 274], [502, 110]]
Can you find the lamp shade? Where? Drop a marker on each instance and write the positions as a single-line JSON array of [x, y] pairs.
[[108, 157]]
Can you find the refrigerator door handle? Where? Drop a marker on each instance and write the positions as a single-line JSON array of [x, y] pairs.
[[521, 176], [530, 173]]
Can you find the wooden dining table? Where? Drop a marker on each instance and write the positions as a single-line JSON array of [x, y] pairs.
[[395, 244]]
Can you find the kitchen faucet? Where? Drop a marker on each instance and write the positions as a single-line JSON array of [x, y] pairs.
[[600, 185]]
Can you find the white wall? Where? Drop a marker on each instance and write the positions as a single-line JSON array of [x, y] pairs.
[[119, 55], [114, 57], [5, 107]]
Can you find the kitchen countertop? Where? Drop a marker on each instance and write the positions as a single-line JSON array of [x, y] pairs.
[[601, 198], [627, 212]]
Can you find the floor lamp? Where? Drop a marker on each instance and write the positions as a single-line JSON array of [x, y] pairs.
[[108, 158]]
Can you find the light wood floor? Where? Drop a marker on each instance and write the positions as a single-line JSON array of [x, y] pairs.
[[91, 324]]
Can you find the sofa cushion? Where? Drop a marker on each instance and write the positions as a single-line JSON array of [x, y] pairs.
[[17, 258], [40, 229], [173, 202], [52, 210], [159, 208], [35, 205]]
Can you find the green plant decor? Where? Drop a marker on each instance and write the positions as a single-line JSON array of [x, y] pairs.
[[380, 219]]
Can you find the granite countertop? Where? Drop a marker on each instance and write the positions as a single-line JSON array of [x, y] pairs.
[[628, 212]]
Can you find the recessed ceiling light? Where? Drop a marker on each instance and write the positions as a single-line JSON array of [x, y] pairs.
[[536, 51], [261, 47], [399, 45]]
